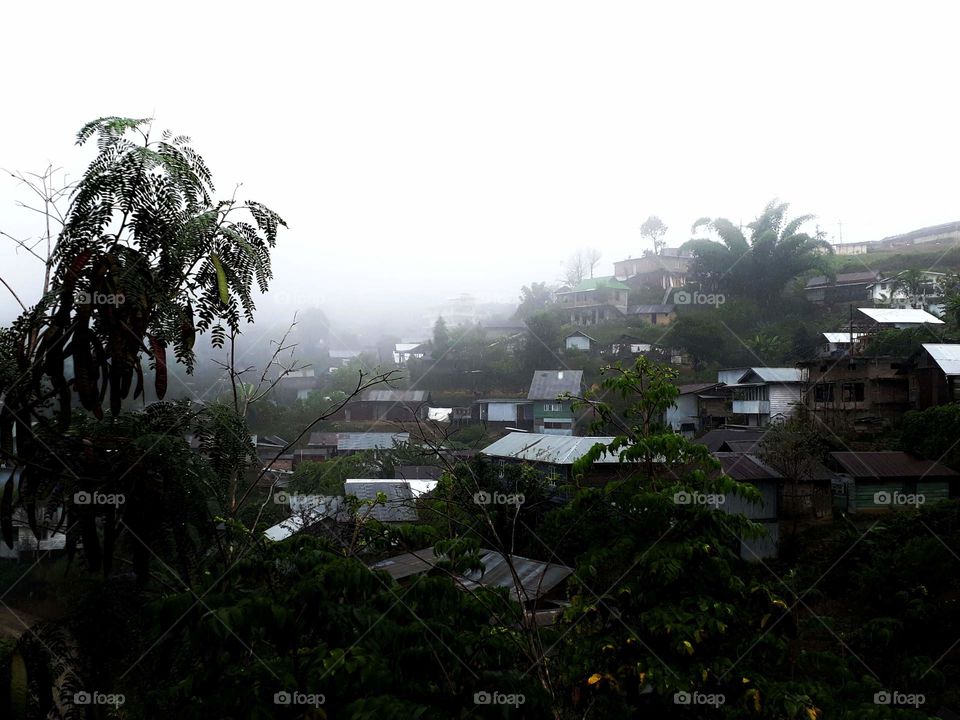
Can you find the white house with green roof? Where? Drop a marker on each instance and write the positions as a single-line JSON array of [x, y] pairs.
[[594, 301]]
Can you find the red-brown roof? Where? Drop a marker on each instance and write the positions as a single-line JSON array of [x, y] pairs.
[[890, 464]]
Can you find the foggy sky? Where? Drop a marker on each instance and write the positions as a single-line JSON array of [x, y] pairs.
[[423, 149]]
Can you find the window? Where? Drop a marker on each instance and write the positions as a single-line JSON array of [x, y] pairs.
[[552, 407], [853, 392], [823, 392], [556, 424]]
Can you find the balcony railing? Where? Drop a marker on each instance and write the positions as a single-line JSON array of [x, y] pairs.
[[751, 407]]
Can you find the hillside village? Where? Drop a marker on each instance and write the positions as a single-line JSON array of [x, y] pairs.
[[871, 350], [721, 481]]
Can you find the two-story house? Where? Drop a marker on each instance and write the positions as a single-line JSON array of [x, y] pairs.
[[593, 301], [551, 414], [762, 394], [669, 269]]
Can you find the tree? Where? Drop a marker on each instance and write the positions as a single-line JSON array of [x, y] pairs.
[[759, 267], [145, 261], [533, 299], [581, 265], [441, 338], [659, 602], [653, 230]]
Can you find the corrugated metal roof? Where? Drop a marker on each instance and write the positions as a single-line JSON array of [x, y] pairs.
[[537, 578], [745, 467], [398, 396], [549, 384], [553, 449], [328, 439], [651, 309], [780, 374], [714, 439], [370, 441], [578, 333], [696, 388], [595, 283], [946, 355], [842, 279], [842, 337], [890, 464], [399, 505], [896, 316]]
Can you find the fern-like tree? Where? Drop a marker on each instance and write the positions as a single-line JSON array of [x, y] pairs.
[[145, 261]]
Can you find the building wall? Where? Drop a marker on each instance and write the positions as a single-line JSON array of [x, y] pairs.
[[784, 399], [686, 411], [578, 342]]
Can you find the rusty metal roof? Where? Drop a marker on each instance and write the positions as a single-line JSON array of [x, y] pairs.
[[890, 464], [537, 578], [745, 467]]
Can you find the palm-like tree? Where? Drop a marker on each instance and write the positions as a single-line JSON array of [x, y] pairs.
[[758, 266]]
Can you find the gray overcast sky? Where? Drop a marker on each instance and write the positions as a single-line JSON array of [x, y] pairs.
[[423, 149]]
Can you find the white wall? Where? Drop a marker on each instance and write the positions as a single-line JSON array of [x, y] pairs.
[[578, 342], [502, 412]]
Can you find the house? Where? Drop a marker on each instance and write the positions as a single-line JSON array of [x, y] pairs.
[[840, 343], [844, 287], [763, 394], [899, 318], [893, 480], [330, 444], [504, 329], [593, 301], [505, 412], [698, 407], [579, 341], [535, 584], [305, 512], [400, 495], [854, 248], [732, 439], [653, 314], [417, 472], [552, 414], [554, 455], [935, 376], [342, 358], [298, 383], [388, 406], [669, 269], [858, 393], [890, 290], [747, 468], [406, 351]]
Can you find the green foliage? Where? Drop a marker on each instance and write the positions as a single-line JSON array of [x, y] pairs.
[[933, 433], [760, 267], [899, 343], [534, 298]]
